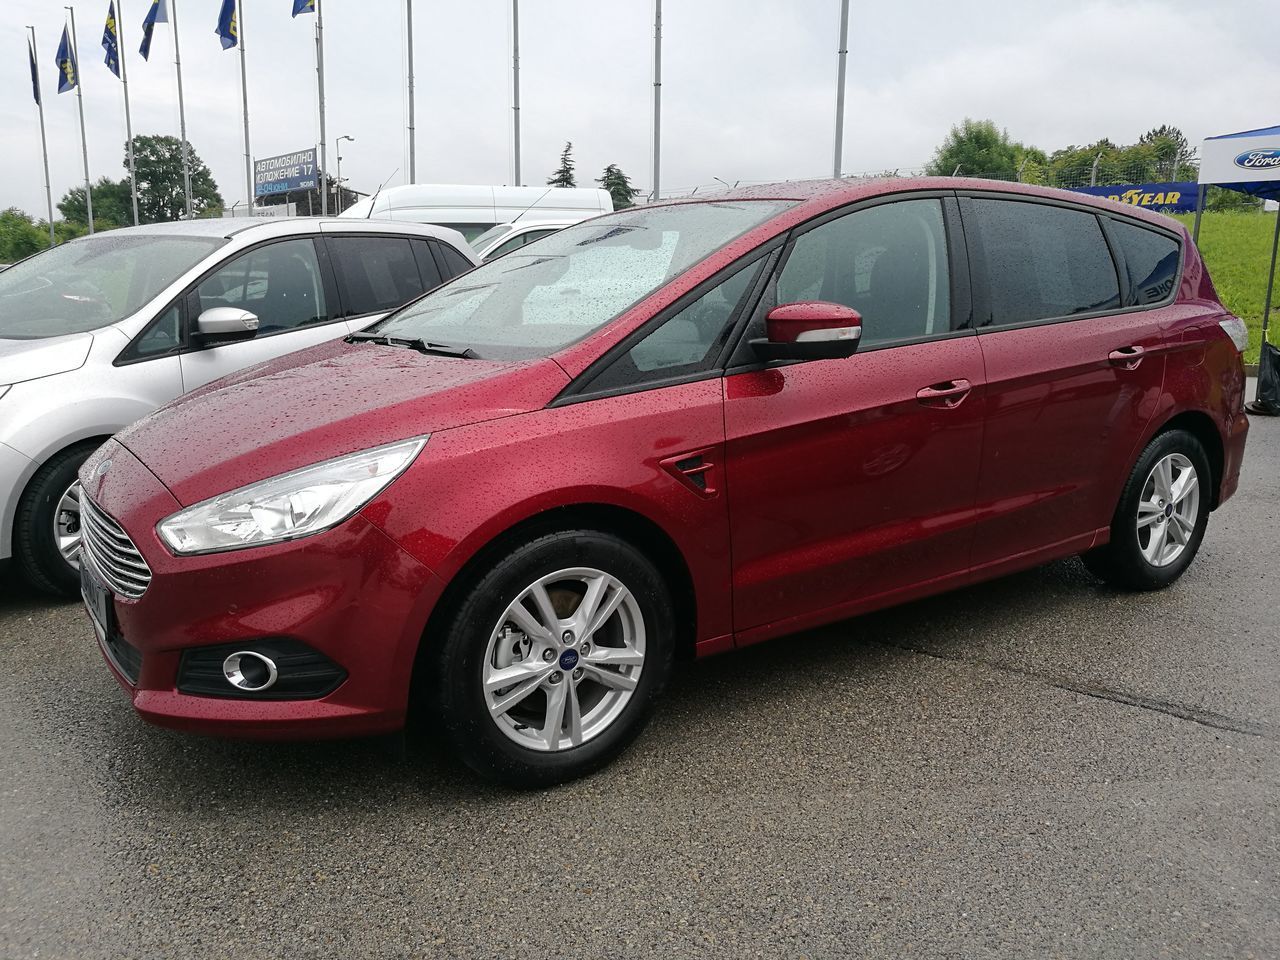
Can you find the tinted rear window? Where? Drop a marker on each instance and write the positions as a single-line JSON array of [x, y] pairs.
[[1151, 261], [1043, 261], [455, 261], [377, 273]]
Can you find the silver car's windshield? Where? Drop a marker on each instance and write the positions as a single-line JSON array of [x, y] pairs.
[[92, 282], [539, 299]]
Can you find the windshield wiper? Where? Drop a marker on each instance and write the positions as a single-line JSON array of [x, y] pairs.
[[415, 343]]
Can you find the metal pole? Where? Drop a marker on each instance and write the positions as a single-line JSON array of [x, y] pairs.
[[657, 99], [244, 96], [182, 111], [1195, 230], [1093, 172], [515, 87], [324, 188], [1271, 277], [413, 151], [84, 142], [128, 120], [44, 143], [840, 74], [337, 200]]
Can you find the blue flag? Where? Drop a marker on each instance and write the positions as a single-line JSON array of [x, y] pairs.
[[35, 77], [228, 26], [111, 40], [159, 13], [68, 71], [304, 6]]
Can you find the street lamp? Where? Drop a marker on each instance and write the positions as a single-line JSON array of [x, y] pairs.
[[336, 149]]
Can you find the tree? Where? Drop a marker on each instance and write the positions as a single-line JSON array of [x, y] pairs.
[[977, 148], [619, 186], [1172, 151], [563, 177], [20, 236], [158, 162], [112, 204]]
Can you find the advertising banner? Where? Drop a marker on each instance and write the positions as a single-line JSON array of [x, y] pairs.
[[1178, 197], [286, 173], [1252, 157]]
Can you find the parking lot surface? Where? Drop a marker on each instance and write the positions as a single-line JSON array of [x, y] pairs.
[[1037, 766]]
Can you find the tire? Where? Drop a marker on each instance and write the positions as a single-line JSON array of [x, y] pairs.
[[1134, 560], [34, 545], [494, 627]]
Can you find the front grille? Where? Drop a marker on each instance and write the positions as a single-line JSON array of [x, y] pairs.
[[112, 553]]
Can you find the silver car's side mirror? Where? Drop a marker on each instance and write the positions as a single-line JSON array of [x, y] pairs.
[[226, 325]]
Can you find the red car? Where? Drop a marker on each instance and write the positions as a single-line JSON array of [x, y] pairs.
[[666, 432]]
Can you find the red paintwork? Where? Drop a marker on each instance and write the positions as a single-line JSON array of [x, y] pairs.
[[785, 323], [831, 487]]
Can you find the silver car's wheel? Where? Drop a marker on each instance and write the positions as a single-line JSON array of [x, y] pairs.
[[1168, 509], [564, 658], [66, 525]]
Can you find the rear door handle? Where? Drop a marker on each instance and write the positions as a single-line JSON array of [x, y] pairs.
[[948, 394], [1127, 357]]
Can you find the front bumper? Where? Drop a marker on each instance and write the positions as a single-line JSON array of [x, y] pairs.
[[350, 593]]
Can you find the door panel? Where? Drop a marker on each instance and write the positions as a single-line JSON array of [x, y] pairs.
[[201, 366], [843, 484]]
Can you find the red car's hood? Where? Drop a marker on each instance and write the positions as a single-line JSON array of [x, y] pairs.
[[321, 403]]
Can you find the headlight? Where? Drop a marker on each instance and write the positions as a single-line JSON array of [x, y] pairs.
[[292, 505]]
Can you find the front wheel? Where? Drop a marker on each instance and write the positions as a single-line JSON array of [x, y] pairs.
[[46, 531], [551, 663], [1161, 518]]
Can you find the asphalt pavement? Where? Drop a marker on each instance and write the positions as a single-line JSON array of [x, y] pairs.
[[1035, 767]]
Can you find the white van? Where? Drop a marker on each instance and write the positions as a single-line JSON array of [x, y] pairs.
[[471, 210]]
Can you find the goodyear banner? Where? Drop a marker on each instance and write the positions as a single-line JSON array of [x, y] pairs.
[[286, 173], [1177, 197]]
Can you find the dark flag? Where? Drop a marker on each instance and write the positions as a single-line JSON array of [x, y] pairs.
[[68, 70], [111, 40], [228, 27], [159, 13], [304, 6], [35, 79]]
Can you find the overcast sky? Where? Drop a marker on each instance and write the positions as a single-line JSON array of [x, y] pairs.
[[748, 85]]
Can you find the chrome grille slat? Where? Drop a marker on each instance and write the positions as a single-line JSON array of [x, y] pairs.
[[111, 552]]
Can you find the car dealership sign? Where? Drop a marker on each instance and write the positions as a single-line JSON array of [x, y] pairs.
[[1249, 157], [286, 173]]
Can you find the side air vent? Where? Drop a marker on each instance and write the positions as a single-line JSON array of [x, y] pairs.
[[695, 470]]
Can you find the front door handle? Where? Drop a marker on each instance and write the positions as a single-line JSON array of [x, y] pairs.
[[948, 394], [1127, 357]]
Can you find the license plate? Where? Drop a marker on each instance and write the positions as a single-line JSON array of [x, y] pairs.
[[97, 600]]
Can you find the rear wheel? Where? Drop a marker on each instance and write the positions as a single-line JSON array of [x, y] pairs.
[[552, 662], [1161, 518], [46, 531]]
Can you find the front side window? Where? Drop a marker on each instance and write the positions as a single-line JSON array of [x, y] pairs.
[[1042, 262], [1151, 260], [164, 336], [888, 262], [92, 282], [280, 283], [377, 273], [536, 301], [687, 343]]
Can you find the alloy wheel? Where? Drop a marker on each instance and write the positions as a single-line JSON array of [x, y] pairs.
[[66, 525], [1168, 510]]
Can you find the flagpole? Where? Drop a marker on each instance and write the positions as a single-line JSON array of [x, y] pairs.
[[84, 140], [128, 119], [244, 95], [657, 97], [182, 110], [413, 153], [515, 85], [44, 143], [324, 187], [840, 73]]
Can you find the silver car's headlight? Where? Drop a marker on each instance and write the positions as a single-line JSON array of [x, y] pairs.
[[292, 505]]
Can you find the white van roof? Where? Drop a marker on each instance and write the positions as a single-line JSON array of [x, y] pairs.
[[451, 204]]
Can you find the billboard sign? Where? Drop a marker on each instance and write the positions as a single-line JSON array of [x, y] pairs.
[[1179, 197], [286, 173], [1251, 158]]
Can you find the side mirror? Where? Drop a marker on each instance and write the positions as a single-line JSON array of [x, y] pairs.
[[810, 330], [225, 325]]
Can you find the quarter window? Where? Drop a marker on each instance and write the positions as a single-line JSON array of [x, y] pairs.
[[377, 273], [453, 260], [1042, 261], [888, 262], [1151, 261], [280, 283]]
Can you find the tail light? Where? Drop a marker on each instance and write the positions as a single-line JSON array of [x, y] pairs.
[[1234, 328]]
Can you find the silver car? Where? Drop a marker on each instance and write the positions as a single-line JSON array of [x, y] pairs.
[[98, 332]]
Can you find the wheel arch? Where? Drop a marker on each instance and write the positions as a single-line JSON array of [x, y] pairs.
[[27, 477], [1201, 426]]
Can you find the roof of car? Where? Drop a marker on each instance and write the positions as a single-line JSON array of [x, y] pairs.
[[276, 226]]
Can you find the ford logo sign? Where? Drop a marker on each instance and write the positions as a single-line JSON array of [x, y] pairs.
[[1259, 160]]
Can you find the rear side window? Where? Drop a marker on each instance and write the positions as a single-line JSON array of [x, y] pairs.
[[455, 262], [1042, 261], [1151, 260], [377, 273], [426, 264]]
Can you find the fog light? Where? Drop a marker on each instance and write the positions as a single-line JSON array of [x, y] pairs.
[[250, 670]]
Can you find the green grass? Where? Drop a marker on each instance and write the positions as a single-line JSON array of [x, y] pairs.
[[1236, 245]]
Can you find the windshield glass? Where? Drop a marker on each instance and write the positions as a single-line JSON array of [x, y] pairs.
[[490, 235], [539, 299], [92, 282]]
